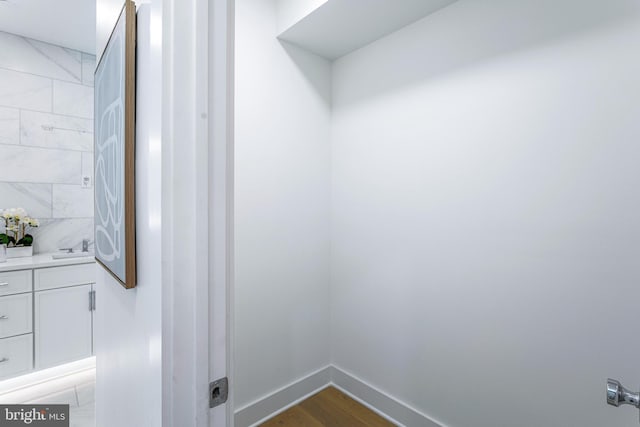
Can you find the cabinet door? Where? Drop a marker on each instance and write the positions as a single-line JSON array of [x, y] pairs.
[[62, 325]]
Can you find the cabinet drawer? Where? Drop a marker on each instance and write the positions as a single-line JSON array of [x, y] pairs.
[[16, 355], [15, 315], [69, 275], [15, 282]]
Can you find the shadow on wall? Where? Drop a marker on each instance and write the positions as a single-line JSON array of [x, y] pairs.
[[308, 63], [468, 32]]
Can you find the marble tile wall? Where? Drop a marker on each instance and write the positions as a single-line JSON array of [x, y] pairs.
[[46, 138]]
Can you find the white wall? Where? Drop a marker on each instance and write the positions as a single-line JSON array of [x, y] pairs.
[[485, 212], [282, 120], [107, 12], [128, 323]]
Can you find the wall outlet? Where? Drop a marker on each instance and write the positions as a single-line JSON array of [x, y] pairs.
[[86, 181]]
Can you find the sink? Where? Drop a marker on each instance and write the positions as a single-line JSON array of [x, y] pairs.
[[64, 255]]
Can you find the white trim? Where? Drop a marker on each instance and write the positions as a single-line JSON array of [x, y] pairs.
[[201, 123], [282, 399], [388, 407], [220, 200], [185, 145], [382, 403], [166, 49]]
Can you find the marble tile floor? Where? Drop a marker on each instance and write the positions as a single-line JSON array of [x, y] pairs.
[[76, 389]]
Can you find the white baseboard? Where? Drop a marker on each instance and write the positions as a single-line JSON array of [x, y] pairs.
[[386, 406], [279, 401], [269, 406]]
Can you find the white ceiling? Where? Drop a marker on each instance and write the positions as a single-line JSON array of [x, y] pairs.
[[338, 27], [68, 23]]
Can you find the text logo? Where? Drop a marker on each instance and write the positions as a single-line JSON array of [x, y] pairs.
[[34, 415]]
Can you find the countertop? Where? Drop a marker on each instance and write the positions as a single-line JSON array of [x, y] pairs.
[[42, 260]]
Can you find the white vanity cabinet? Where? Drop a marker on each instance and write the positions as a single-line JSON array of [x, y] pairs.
[[62, 328], [46, 313]]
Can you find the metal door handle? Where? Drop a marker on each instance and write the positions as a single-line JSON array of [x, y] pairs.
[[618, 395]]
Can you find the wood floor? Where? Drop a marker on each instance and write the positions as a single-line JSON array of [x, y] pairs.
[[329, 408]]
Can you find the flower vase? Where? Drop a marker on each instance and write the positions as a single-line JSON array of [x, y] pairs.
[[19, 251]]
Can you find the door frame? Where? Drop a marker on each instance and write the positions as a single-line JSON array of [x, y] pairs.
[[197, 211], [221, 20]]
